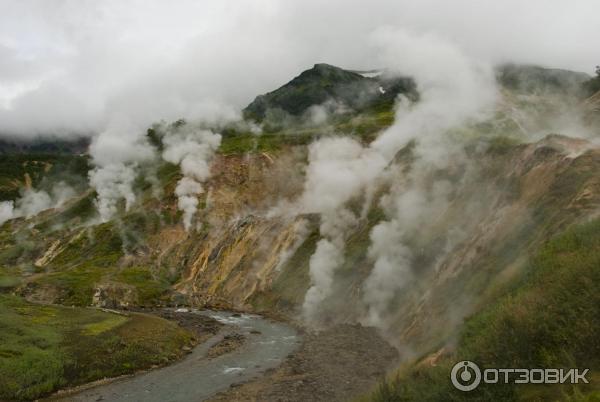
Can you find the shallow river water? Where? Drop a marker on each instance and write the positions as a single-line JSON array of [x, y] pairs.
[[195, 378]]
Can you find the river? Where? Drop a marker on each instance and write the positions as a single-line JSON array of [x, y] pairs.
[[195, 377]]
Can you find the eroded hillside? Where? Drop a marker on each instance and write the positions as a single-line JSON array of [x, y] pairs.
[[466, 229]]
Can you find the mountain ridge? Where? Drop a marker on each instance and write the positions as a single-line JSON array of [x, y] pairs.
[[325, 82], [507, 197]]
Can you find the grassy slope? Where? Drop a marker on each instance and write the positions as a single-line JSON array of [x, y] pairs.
[[549, 318], [363, 126], [93, 259], [42, 170], [94, 256], [43, 348], [90, 256]]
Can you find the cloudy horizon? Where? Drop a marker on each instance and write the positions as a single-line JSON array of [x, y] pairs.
[[75, 67]]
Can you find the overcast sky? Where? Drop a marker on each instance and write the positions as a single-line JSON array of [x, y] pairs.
[[75, 66]]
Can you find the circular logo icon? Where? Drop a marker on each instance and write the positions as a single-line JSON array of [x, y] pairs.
[[465, 375]]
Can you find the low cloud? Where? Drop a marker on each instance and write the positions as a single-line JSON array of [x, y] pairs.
[[69, 68]]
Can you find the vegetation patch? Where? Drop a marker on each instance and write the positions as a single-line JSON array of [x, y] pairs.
[[44, 348], [549, 318], [41, 171], [149, 288], [96, 328], [591, 86], [8, 282]]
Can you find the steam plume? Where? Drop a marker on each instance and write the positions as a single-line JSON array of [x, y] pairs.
[[452, 89], [338, 169], [192, 149], [117, 153], [35, 201]]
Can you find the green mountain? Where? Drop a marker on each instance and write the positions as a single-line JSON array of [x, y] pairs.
[[43, 146], [326, 83], [531, 79], [504, 271]]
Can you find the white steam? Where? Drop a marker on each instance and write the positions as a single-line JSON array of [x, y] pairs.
[[411, 205], [35, 201], [117, 153], [113, 183], [328, 257], [392, 265], [192, 149], [453, 89], [7, 209], [122, 151], [338, 169]]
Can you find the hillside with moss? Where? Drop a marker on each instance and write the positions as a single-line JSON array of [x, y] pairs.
[[325, 85], [547, 317], [518, 234], [44, 348]]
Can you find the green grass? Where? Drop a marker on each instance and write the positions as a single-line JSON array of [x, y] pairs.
[[77, 211], [42, 169], [365, 126], [44, 348], [149, 288], [96, 328], [101, 245], [93, 256], [502, 145], [591, 86], [76, 285], [8, 281], [548, 318], [242, 143]]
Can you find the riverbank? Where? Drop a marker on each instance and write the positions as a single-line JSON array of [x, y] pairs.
[[47, 347], [251, 357], [337, 364], [197, 377]]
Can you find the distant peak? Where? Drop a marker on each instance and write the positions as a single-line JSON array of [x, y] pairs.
[[325, 66], [325, 82], [326, 69]]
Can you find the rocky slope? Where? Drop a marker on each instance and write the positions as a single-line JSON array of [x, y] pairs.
[[513, 188], [512, 198]]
